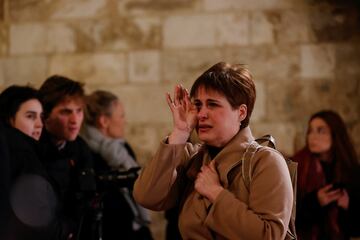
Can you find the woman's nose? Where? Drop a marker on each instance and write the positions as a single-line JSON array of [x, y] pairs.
[[39, 123], [202, 113]]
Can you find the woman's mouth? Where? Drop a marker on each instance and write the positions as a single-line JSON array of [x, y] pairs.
[[204, 127]]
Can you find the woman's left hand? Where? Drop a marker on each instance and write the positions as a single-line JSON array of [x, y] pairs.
[[207, 182], [343, 201]]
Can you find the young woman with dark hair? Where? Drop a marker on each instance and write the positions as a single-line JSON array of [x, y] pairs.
[[20, 108], [29, 202], [327, 187]]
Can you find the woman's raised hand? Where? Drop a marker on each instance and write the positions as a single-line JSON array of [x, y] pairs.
[[184, 115]]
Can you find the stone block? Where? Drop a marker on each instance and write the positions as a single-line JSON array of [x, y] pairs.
[[317, 61], [144, 67], [283, 132], [347, 61], [292, 26], [185, 66], [268, 63], [141, 7], [2, 73], [24, 70], [80, 9], [3, 39], [215, 5], [282, 103], [27, 38], [144, 135], [331, 23], [146, 103], [346, 90], [206, 30], [261, 28], [259, 111], [287, 101], [34, 38], [232, 29], [117, 33], [23, 10], [93, 69], [189, 31], [149, 32]]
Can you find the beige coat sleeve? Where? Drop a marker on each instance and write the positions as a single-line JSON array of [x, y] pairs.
[[267, 213], [156, 188]]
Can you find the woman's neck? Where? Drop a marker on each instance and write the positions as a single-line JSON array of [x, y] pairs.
[[325, 157], [213, 151]]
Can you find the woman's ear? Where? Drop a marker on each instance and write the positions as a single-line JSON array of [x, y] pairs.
[[103, 122], [242, 112]]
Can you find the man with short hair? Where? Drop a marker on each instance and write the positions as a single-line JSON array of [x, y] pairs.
[[68, 159]]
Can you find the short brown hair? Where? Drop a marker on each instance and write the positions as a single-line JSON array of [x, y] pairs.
[[57, 88], [234, 81]]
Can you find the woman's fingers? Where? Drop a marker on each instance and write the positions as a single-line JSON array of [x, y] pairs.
[[327, 187], [169, 101], [177, 95]]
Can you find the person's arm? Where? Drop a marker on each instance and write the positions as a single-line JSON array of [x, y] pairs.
[[267, 214], [159, 184], [157, 187]]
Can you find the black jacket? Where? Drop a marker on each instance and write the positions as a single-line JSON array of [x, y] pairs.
[[71, 173], [27, 200]]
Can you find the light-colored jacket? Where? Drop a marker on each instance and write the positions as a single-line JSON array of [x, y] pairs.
[[262, 212], [117, 157], [111, 150]]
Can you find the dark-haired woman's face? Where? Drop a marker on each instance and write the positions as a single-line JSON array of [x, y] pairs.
[[28, 118], [319, 136]]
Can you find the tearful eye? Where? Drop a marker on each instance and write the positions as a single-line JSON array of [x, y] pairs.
[[212, 104]]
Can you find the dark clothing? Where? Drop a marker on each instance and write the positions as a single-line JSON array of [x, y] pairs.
[[118, 216], [71, 173], [329, 222], [172, 230], [4, 179], [24, 216]]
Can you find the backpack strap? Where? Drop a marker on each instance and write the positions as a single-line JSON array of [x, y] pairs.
[[249, 154], [267, 138], [246, 162]]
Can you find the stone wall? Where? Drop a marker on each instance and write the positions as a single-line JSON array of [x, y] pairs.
[[304, 54]]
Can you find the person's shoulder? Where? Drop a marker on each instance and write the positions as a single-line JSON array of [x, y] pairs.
[[19, 140], [267, 156], [80, 148], [77, 145], [301, 155], [80, 142], [265, 151]]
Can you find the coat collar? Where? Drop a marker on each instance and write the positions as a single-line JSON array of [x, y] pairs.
[[231, 154]]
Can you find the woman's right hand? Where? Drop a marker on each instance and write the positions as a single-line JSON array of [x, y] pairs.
[[184, 115], [327, 195]]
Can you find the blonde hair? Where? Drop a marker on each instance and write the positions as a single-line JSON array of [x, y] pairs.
[[99, 103]]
